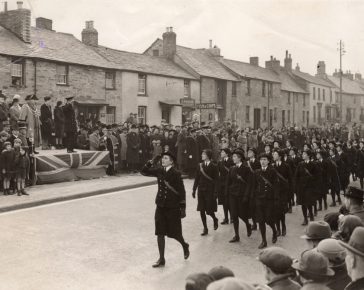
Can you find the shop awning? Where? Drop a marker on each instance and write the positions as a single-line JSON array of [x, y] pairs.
[[170, 103], [90, 101]]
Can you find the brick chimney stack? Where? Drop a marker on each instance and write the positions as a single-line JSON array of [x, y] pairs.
[[288, 62], [44, 23], [17, 21], [169, 43], [273, 64], [90, 36], [321, 69], [348, 75], [297, 67], [254, 60]]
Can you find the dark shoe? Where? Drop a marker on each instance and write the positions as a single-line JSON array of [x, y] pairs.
[[186, 251], [205, 232], [284, 231], [274, 238], [262, 245], [225, 222], [339, 201], [305, 222], [5, 192], [325, 206], [19, 193], [254, 227], [249, 230], [216, 224], [159, 263], [279, 233], [23, 192], [235, 239], [11, 193], [312, 218], [290, 209], [333, 204], [35, 152], [231, 221], [320, 208], [71, 151]]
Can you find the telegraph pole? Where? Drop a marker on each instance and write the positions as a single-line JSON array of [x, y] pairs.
[[342, 52]]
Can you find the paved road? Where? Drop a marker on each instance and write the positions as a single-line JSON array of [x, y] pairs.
[[108, 242]]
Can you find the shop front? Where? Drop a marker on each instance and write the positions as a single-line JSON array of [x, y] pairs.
[[188, 107], [94, 110]]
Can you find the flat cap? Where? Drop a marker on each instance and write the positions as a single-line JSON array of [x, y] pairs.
[[317, 231], [220, 272], [230, 283], [277, 259]]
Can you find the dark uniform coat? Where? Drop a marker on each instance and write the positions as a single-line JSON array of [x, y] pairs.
[[240, 183], [360, 163], [323, 179], [253, 164], [306, 186], [203, 142], [46, 119], [191, 152], [351, 158], [284, 186], [266, 195], [145, 146], [207, 187], [170, 200], [59, 122], [332, 174], [224, 167], [70, 124]]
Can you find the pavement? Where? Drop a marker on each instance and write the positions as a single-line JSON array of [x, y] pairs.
[[107, 242], [51, 193]]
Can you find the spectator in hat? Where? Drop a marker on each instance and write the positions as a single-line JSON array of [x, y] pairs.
[[14, 112], [354, 202], [198, 281], [230, 283], [47, 123], [4, 112], [332, 218], [316, 232], [336, 254], [83, 141], [347, 225], [220, 272], [30, 115], [133, 147], [278, 269], [313, 270], [59, 124], [355, 259], [123, 147]]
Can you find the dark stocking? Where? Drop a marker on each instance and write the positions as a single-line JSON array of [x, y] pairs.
[[262, 229], [236, 226], [226, 211], [361, 183], [161, 245], [203, 218]]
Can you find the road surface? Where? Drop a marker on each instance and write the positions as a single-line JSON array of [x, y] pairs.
[[108, 242]]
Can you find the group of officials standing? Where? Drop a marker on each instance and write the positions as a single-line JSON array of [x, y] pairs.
[[257, 189]]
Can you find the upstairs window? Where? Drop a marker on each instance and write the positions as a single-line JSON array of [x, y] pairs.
[[318, 93], [314, 93], [17, 73], [248, 88], [187, 90], [247, 114], [62, 74], [263, 89], [155, 52], [270, 90], [323, 94], [110, 80], [142, 84], [289, 98]]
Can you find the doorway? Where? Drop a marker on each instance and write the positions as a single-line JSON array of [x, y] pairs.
[[256, 118]]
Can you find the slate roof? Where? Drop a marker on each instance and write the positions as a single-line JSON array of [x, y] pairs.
[[63, 47], [250, 71], [142, 63], [312, 79], [204, 64], [288, 83], [349, 86]]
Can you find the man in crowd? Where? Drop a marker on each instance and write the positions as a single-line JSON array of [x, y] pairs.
[[354, 202], [3, 110], [47, 122], [14, 112]]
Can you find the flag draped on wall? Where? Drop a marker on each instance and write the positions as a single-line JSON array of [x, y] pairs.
[[62, 167]]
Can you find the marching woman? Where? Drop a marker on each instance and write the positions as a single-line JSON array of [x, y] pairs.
[[266, 198], [170, 201], [224, 166], [239, 188], [306, 185], [206, 182], [284, 187]]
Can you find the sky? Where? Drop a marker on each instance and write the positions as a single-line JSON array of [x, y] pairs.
[[309, 29]]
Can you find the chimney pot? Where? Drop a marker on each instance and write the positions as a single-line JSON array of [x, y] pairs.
[[210, 46], [5, 6], [20, 4], [254, 60], [90, 36], [286, 53]]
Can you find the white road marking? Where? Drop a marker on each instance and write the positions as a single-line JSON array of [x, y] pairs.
[[73, 200]]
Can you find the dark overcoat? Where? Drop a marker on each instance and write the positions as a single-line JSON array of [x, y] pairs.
[[46, 119], [203, 143], [191, 152], [224, 167], [133, 147], [343, 169], [70, 123], [59, 122], [306, 183], [284, 186], [360, 163], [332, 174], [207, 187]]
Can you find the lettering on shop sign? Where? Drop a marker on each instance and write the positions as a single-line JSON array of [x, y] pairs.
[[206, 106], [187, 102]]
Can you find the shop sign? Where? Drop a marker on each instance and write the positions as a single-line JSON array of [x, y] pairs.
[[206, 106], [187, 102]]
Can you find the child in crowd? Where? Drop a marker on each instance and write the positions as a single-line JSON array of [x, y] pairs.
[[7, 158], [22, 167]]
